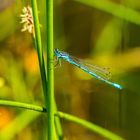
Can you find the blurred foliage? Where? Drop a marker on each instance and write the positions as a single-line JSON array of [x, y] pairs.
[[91, 30], [9, 17]]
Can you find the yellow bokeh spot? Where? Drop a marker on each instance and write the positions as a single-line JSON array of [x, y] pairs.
[[31, 62], [2, 82]]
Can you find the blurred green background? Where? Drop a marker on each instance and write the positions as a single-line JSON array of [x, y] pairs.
[[103, 32]]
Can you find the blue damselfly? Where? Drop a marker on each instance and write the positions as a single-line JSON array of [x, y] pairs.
[[99, 73]]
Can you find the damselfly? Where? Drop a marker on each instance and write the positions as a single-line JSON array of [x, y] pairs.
[[99, 73]]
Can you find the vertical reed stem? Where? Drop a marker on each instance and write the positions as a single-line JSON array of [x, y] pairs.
[[50, 70], [38, 46]]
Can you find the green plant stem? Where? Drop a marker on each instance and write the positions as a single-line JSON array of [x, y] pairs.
[[22, 105], [50, 69], [115, 9], [93, 127], [38, 43], [38, 47], [58, 126]]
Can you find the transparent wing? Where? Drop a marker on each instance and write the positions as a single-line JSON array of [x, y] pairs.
[[102, 72]]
